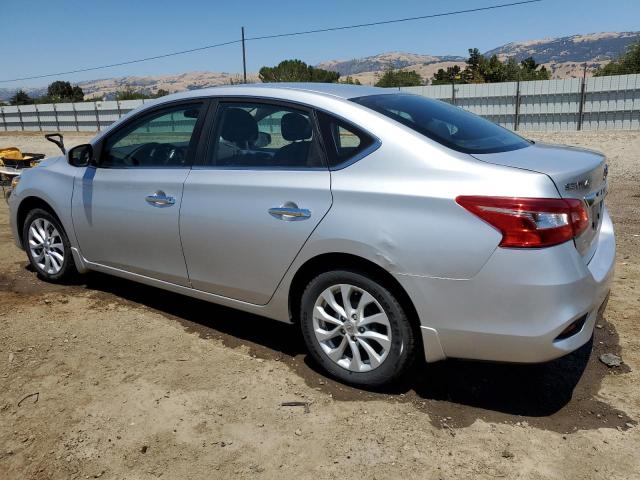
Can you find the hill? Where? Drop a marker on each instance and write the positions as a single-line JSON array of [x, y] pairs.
[[384, 61], [106, 88], [594, 47], [563, 56]]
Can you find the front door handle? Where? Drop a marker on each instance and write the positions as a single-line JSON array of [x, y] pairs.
[[160, 199], [290, 212]]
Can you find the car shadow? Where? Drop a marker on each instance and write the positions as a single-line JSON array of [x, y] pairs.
[[526, 390], [263, 336], [560, 395]]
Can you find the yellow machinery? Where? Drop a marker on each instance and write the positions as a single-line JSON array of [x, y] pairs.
[[12, 162], [14, 158]]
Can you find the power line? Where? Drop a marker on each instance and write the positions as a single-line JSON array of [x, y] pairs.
[[398, 20], [278, 35], [129, 62]]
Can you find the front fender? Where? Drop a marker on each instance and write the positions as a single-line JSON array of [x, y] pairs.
[[52, 183]]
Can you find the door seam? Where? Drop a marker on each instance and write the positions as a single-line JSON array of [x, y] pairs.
[[303, 243], [184, 258]]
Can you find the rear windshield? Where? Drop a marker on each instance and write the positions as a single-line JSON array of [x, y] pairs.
[[448, 125]]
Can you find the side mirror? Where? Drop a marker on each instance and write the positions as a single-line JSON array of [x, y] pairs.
[[81, 155], [192, 113], [263, 140]]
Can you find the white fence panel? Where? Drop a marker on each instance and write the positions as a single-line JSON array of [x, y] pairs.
[[605, 103], [612, 103], [11, 118], [601, 103]]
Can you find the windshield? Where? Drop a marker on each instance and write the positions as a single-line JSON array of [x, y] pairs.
[[448, 125]]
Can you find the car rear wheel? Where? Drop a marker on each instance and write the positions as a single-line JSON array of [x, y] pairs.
[[356, 329], [47, 246]]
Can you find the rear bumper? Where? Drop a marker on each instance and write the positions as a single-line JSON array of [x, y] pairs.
[[514, 309]]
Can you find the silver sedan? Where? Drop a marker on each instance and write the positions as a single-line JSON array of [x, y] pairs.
[[387, 226]]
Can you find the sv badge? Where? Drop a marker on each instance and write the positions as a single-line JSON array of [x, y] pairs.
[[579, 185]]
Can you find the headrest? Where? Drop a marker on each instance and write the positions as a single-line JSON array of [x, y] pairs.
[[239, 126], [295, 127], [439, 128]]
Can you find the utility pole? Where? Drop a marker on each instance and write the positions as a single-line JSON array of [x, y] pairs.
[[516, 120], [454, 77], [583, 86], [244, 58]]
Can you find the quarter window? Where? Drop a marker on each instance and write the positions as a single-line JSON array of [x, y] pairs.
[[160, 139], [342, 140], [255, 135]]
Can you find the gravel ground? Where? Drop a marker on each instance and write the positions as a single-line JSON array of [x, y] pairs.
[[106, 378]]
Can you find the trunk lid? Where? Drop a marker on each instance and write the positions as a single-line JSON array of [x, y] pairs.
[[576, 173]]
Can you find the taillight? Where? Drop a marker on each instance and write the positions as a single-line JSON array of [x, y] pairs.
[[530, 222]]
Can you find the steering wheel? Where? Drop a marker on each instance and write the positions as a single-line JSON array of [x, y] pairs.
[[169, 154], [157, 154], [131, 160]]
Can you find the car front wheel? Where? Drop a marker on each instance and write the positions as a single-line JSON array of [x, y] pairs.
[[356, 329], [47, 246]]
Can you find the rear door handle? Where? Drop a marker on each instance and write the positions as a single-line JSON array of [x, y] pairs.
[[290, 212], [160, 199]]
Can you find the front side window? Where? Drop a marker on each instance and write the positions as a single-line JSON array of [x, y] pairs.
[[160, 139], [256, 135], [448, 125]]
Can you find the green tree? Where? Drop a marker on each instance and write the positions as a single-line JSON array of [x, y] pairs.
[[323, 76], [529, 64], [350, 81], [20, 98], [529, 70], [129, 93], [473, 72], [627, 63], [452, 74], [296, 71], [77, 94], [60, 91], [400, 78], [480, 69], [493, 70], [512, 69]]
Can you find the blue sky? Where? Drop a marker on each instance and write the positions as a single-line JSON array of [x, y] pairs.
[[41, 36]]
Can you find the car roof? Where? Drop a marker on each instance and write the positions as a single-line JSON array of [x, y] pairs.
[[299, 92], [340, 90]]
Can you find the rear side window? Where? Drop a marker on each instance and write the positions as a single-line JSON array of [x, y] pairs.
[[258, 135], [343, 141], [448, 125]]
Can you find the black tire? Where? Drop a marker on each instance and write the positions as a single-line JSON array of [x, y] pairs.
[[68, 268], [403, 341]]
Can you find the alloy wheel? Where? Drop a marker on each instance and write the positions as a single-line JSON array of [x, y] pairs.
[[352, 328], [45, 246]]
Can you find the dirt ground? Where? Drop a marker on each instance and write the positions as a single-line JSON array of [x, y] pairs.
[[109, 379]]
